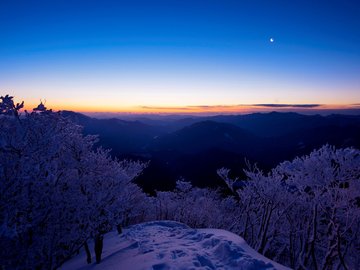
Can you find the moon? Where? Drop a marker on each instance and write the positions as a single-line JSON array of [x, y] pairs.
[[271, 40]]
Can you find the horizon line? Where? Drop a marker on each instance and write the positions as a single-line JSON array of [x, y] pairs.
[[305, 108], [199, 109]]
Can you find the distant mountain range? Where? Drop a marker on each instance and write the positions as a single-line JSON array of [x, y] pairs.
[[195, 147]]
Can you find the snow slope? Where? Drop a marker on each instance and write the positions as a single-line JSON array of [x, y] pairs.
[[163, 245]]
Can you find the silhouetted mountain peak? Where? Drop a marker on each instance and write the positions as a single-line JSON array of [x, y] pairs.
[[75, 116], [206, 135], [208, 128]]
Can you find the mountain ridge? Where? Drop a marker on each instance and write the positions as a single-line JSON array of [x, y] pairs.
[[194, 148]]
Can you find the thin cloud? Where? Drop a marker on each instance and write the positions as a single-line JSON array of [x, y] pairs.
[[288, 105], [215, 106], [165, 108], [230, 107]]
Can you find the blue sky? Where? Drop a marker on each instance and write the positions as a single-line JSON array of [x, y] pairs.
[[123, 55]]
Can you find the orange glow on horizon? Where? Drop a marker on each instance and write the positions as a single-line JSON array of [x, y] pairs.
[[200, 109]]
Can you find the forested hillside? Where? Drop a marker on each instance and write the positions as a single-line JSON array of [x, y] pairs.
[[193, 148]]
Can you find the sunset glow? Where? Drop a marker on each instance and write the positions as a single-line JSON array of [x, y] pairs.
[[204, 109]]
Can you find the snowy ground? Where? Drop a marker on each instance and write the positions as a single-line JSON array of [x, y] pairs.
[[163, 245]]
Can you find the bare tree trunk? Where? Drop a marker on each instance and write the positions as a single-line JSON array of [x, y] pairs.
[[99, 242], [303, 261], [119, 229], [291, 250], [88, 254], [246, 225], [269, 211], [313, 240], [332, 246], [262, 222], [340, 253]]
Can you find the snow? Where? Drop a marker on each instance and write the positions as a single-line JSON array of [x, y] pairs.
[[163, 245]]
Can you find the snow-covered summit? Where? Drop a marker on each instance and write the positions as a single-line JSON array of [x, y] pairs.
[[163, 245]]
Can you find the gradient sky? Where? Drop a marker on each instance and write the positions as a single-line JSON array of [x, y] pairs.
[[177, 55]]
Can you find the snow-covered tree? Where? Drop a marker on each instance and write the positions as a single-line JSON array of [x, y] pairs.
[[304, 213], [261, 206], [8, 107], [327, 185], [197, 207], [56, 190]]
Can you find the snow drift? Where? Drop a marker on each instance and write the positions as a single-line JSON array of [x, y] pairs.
[[162, 245]]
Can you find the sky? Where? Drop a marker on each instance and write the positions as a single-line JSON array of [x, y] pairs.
[[181, 56]]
